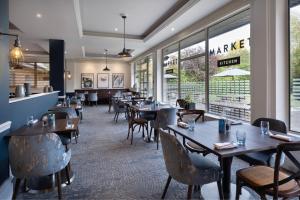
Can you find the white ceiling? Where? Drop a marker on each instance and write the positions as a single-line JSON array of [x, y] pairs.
[[67, 19]]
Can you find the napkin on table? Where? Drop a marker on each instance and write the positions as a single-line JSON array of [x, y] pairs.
[[182, 125], [224, 145], [280, 137]]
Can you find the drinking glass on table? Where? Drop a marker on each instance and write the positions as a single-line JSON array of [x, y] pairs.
[[240, 137], [191, 124], [264, 127]]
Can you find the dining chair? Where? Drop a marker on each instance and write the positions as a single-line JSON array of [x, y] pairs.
[[119, 107], [266, 180], [37, 156], [264, 157], [165, 117], [93, 98], [71, 111], [81, 96], [133, 121], [188, 168], [195, 115]]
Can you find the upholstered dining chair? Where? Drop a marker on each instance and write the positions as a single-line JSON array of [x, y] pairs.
[[36, 156], [267, 180], [133, 121], [119, 107], [93, 98], [71, 111], [264, 157], [165, 117], [81, 96], [195, 115], [188, 168]]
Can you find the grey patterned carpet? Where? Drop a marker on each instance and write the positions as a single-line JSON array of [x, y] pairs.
[[106, 166]]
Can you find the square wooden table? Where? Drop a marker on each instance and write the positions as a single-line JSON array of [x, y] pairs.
[[206, 134]]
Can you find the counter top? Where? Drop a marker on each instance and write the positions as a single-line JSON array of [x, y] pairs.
[[17, 99]]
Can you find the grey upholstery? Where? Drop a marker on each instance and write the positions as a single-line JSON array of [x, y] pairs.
[[93, 97], [119, 107], [38, 155], [165, 117], [81, 96], [187, 168]]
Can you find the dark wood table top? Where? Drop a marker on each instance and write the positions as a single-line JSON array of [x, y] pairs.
[[206, 134], [150, 108], [38, 128]]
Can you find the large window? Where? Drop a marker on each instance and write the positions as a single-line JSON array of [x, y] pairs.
[[144, 76], [295, 65], [229, 67], [170, 74], [220, 56]]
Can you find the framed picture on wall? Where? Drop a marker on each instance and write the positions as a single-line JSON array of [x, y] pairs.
[[103, 80], [118, 80], [87, 80]]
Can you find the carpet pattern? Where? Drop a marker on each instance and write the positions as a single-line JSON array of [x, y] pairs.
[[106, 166]]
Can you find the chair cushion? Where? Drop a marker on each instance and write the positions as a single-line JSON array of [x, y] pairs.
[[257, 158], [203, 163], [258, 176], [194, 147]]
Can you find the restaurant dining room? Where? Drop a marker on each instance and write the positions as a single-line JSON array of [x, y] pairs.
[[139, 99]]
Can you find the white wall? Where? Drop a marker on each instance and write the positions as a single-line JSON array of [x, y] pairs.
[[76, 67]]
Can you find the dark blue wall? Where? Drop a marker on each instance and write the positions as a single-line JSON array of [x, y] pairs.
[[16, 112], [4, 87], [57, 65]]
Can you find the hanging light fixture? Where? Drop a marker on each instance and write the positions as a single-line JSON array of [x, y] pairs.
[[16, 54], [124, 52], [106, 68]]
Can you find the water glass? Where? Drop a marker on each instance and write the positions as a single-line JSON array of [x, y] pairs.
[[191, 124], [264, 127], [241, 137]]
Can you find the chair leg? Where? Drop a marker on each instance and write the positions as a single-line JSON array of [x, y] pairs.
[[25, 185], [58, 183], [117, 117], [166, 187], [128, 131], [151, 132], [68, 173], [157, 140], [238, 188], [16, 187], [190, 190], [220, 189], [131, 136], [143, 131]]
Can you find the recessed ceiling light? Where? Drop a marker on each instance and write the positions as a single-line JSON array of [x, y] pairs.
[[26, 49], [116, 29], [66, 52], [39, 15], [172, 29]]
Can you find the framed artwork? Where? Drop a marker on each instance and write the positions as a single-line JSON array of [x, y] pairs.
[[118, 80], [103, 80], [87, 80]]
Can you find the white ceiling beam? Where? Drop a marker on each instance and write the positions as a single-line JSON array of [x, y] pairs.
[[78, 17], [112, 35]]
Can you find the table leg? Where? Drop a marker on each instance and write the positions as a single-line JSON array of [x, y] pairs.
[[226, 168]]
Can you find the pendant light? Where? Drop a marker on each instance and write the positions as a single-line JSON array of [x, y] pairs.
[[124, 53], [15, 54], [106, 68]]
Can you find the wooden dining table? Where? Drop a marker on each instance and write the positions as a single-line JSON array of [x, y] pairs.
[[206, 134]]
